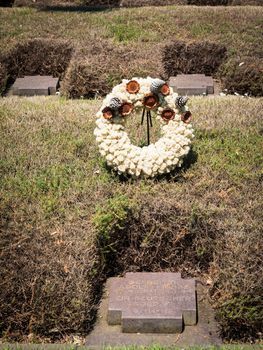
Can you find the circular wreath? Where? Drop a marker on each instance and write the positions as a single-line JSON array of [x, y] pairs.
[[171, 110]]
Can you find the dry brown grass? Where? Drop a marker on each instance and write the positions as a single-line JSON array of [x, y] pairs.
[[67, 222]]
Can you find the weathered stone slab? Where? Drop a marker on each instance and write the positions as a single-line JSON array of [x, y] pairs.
[[152, 303], [35, 85], [192, 84], [204, 333]]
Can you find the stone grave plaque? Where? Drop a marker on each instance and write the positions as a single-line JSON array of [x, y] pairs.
[[192, 84], [35, 85], [146, 302]]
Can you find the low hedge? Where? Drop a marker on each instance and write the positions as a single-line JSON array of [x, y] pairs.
[[243, 76], [129, 3], [47, 3], [208, 2], [3, 77], [138, 3], [197, 57], [96, 69], [37, 57]]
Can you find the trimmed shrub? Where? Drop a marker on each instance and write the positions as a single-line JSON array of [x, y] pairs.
[[245, 2], [159, 236], [49, 287], [240, 310], [51, 3], [3, 77], [138, 3], [38, 57], [208, 2], [86, 77], [92, 72], [108, 3], [101, 66], [244, 76], [197, 57], [6, 3]]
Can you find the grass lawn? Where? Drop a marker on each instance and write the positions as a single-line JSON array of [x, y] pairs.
[[68, 222], [237, 27], [155, 347]]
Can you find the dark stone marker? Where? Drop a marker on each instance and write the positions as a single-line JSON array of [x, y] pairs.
[[152, 302], [192, 84], [35, 85]]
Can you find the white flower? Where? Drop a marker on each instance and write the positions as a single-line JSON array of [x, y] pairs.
[[158, 158]]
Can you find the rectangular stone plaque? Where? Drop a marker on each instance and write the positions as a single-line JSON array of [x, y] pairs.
[[35, 85], [152, 302], [192, 84]]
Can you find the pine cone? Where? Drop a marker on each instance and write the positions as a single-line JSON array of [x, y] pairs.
[[181, 101], [156, 86], [160, 86], [115, 103]]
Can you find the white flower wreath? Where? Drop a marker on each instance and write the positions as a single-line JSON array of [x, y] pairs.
[[145, 95]]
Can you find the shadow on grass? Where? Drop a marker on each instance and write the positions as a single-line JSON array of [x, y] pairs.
[[176, 175], [77, 8]]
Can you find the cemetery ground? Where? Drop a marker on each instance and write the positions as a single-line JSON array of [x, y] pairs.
[[92, 50], [68, 222]]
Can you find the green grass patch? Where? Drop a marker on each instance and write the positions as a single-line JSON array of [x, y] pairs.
[[236, 27], [233, 153]]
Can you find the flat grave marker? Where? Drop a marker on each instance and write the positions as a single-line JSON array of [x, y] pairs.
[[34, 85], [192, 84], [152, 302]]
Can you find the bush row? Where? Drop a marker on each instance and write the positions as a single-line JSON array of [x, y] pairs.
[[131, 3], [243, 76], [96, 69], [199, 57], [38, 56], [3, 77]]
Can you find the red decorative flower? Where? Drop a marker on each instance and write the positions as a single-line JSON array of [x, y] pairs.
[[133, 87], [165, 89], [125, 109], [186, 117], [107, 113], [168, 114], [150, 101]]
